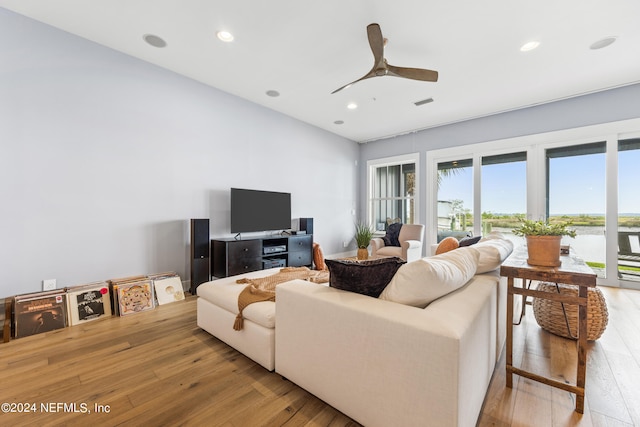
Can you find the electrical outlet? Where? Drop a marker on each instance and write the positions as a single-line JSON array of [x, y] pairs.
[[48, 284], [345, 244]]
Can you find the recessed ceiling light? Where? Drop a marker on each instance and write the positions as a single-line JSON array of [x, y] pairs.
[[273, 93], [352, 106], [225, 36], [154, 40], [603, 43], [339, 122], [529, 46]]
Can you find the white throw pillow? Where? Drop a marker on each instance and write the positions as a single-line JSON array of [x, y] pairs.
[[420, 282], [492, 252]]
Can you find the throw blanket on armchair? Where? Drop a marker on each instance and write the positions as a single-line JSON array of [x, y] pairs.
[[264, 288]]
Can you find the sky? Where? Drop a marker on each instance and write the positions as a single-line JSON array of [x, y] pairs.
[[576, 185]]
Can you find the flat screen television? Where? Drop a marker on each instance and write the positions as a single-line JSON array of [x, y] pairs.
[[256, 210]]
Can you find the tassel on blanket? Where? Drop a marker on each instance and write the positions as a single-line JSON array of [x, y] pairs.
[[239, 323], [249, 295]]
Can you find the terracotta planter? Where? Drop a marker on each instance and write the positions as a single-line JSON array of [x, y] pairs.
[[544, 251], [363, 253]]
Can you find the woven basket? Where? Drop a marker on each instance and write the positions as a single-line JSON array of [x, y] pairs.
[[550, 317]]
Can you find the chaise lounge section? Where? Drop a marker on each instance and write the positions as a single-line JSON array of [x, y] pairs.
[[217, 308]]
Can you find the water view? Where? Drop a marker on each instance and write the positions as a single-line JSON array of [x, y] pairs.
[[589, 244]]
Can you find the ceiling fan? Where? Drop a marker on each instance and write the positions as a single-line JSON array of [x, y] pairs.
[[382, 68]]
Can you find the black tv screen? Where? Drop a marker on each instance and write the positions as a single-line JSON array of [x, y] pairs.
[[255, 210]]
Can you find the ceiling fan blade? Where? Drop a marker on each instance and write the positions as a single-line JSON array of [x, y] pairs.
[[367, 76], [413, 73], [376, 41]]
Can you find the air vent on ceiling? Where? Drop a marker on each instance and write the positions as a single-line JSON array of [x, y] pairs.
[[424, 101]]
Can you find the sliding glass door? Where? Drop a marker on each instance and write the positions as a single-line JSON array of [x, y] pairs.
[[588, 175], [576, 191], [629, 209], [504, 193]]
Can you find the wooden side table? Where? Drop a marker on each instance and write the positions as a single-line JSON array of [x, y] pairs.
[[572, 271]]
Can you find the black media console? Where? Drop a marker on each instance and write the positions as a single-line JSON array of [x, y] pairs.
[[232, 256]]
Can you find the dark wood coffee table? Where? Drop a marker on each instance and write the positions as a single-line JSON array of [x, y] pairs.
[[572, 271]]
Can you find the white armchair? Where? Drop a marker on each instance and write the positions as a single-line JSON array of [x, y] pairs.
[[410, 249]]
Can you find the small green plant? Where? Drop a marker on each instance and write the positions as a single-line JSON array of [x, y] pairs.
[[530, 227], [363, 235]]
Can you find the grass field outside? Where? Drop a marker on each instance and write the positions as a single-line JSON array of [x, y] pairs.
[[513, 220]]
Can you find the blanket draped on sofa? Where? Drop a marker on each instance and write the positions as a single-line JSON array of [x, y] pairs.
[[264, 288]]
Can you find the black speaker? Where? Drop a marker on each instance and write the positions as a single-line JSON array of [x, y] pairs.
[[200, 253], [306, 224]]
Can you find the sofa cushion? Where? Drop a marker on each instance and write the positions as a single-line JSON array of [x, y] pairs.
[[492, 251], [390, 251], [364, 277], [420, 282], [447, 244]]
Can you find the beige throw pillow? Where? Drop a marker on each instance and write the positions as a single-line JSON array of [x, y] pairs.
[[420, 282], [492, 252]]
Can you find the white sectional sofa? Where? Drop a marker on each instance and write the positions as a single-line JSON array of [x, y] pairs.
[[381, 362]]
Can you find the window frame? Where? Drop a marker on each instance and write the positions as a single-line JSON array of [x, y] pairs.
[[536, 145], [373, 165]]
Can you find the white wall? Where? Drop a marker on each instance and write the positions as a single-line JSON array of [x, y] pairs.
[[104, 158]]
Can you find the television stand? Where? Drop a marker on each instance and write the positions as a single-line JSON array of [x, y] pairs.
[[236, 255]]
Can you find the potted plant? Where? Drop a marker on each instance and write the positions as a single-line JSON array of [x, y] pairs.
[[363, 236], [543, 240]]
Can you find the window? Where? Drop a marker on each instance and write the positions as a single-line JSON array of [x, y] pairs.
[[504, 192], [393, 185], [455, 198], [628, 210], [576, 192], [589, 175]]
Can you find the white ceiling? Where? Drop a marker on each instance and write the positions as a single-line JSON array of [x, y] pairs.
[[305, 50]]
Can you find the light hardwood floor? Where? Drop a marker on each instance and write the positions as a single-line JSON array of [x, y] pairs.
[[613, 374], [158, 368]]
